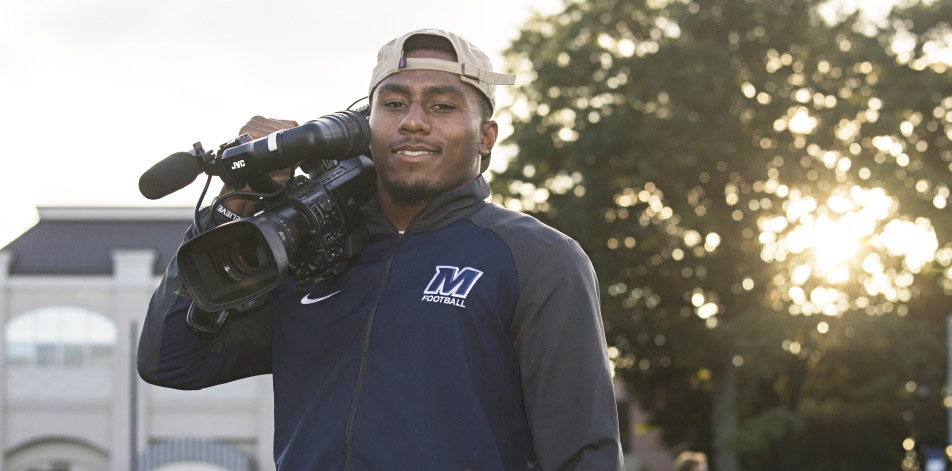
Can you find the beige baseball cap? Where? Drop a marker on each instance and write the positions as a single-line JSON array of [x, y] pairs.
[[473, 66]]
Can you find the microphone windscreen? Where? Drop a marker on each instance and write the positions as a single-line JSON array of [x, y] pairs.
[[169, 175]]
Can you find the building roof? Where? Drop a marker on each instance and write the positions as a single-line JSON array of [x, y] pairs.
[[80, 241]]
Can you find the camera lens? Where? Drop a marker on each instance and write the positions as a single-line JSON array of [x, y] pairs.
[[245, 257]]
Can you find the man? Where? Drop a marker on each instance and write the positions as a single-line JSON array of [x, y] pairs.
[[462, 336]]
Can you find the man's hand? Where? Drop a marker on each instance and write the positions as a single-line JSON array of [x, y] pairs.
[[258, 127]]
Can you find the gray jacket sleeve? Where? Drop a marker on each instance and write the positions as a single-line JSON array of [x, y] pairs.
[[172, 355], [559, 340]]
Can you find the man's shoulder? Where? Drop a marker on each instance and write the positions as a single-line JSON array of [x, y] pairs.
[[514, 223], [538, 251], [525, 235]]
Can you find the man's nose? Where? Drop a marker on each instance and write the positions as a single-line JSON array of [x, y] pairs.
[[415, 120]]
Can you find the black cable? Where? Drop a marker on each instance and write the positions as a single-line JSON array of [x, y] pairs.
[[358, 101], [252, 194], [198, 205]]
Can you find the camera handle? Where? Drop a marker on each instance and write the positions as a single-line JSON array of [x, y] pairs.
[[204, 323], [207, 324]]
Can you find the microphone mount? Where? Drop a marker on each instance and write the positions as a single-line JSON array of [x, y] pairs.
[[212, 164]]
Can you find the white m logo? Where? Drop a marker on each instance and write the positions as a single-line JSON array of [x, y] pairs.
[[451, 281]]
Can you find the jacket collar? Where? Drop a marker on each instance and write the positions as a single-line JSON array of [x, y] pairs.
[[443, 209]]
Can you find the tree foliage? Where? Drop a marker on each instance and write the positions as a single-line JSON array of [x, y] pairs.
[[763, 194]]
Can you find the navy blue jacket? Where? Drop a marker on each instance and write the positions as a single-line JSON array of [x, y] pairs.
[[473, 341]]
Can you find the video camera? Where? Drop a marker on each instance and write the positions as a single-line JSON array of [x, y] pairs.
[[308, 227]]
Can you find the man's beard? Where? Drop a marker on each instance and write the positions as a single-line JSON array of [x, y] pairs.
[[410, 193]]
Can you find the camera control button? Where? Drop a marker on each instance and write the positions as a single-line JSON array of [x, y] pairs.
[[325, 202]]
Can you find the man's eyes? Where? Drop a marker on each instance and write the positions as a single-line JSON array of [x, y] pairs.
[[395, 104]]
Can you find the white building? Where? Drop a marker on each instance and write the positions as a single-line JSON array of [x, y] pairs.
[[73, 293]]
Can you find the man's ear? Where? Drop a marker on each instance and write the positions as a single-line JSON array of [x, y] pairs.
[[490, 130]]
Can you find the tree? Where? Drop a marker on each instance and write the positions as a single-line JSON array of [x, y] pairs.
[[762, 193]]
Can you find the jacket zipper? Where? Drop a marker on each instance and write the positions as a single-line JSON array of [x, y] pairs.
[[365, 345]]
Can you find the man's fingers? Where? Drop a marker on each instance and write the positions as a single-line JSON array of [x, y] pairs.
[[259, 126], [281, 175]]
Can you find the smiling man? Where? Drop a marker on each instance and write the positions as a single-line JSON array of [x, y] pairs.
[[430, 130], [463, 336], [426, 132]]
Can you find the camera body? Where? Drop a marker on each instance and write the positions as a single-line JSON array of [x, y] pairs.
[[330, 206], [308, 228], [308, 231]]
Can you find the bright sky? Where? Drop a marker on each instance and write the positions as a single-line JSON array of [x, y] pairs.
[[95, 92]]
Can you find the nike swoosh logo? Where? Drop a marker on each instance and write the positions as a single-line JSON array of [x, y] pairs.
[[307, 300]]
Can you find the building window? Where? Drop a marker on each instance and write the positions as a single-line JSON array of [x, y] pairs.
[[59, 337], [57, 454]]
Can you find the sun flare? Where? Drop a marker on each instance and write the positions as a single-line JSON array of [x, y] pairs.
[[843, 242]]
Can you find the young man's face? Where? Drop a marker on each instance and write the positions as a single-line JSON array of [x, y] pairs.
[[427, 132]]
